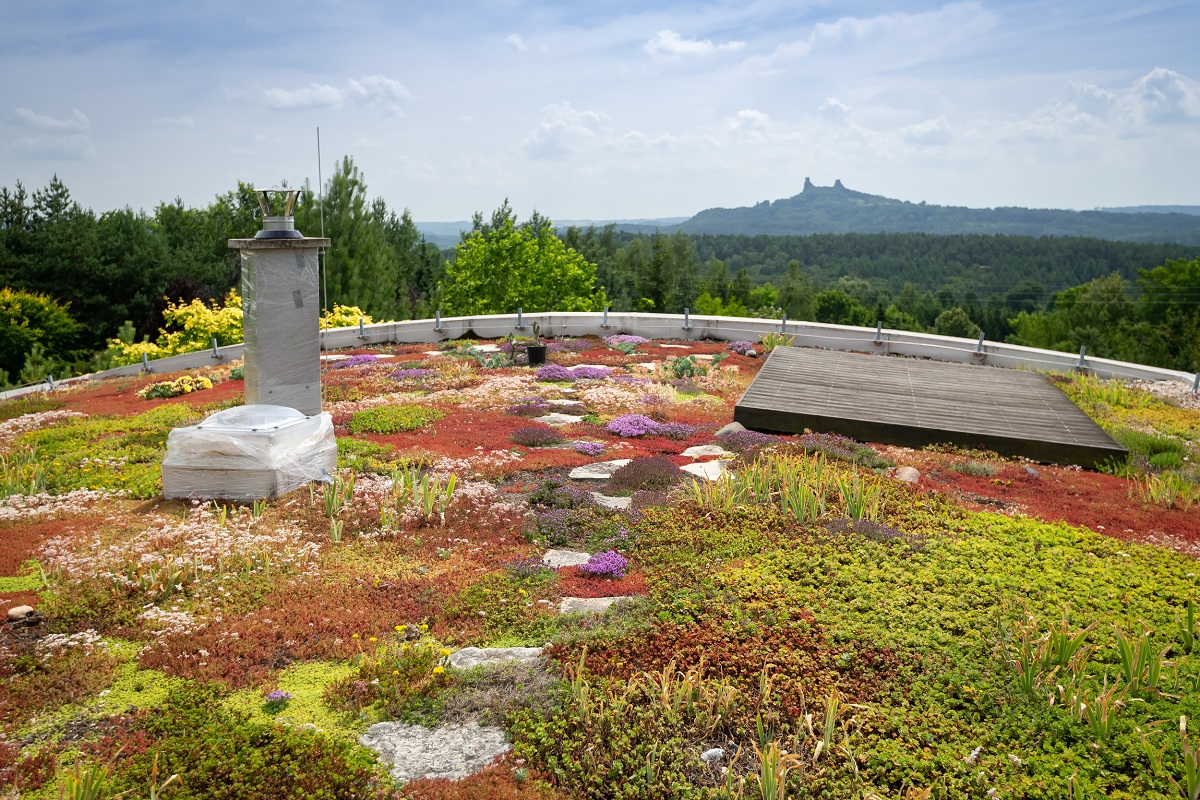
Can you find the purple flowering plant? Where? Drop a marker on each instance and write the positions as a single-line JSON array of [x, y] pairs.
[[355, 361], [610, 564], [629, 426], [414, 374], [276, 700], [589, 448], [741, 348]]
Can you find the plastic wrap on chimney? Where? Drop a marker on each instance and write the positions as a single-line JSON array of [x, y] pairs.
[[281, 305], [249, 453]]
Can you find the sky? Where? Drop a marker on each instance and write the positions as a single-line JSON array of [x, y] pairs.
[[606, 110]]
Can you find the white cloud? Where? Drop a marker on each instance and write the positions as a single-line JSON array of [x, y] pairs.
[[896, 38], [372, 91], [76, 123], [379, 91], [51, 138], [183, 122], [1163, 95], [315, 95], [834, 111], [669, 44], [930, 132], [564, 130], [50, 147], [516, 42]]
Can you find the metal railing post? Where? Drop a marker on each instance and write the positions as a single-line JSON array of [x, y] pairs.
[[687, 319], [878, 331], [520, 320], [1082, 356], [783, 324], [362, 329], [979, 344], [216, 350], [146, 363]]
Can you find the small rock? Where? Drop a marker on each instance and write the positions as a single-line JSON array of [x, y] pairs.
[[1032, 473], [732, 427], [18, 613], [564, 558], [604, 501], [712, 756], [601, 470], [705, 450], [447, 751], [752, 353], [412, 632], [908, 475], [709, 469], [556, 418], [474, 656], [593, 605]]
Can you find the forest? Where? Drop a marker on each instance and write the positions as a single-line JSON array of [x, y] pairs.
[[73, 281]]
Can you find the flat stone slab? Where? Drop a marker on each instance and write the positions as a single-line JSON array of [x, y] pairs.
[[604, 501], [433, 352], [587, 605], [556, 418], [567, 390], [447, 751], [647, 365], [705, 450], [679, 346], [599, 471], [475, 656], [709, 469], [560, 401], [565, 558], [488, 348]]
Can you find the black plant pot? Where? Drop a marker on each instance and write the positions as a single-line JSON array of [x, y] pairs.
[[537, 354]]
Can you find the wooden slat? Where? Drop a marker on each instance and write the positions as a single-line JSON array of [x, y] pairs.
[[915, 403]]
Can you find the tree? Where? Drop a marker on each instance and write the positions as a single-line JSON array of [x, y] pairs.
[[503, 267], [29, 319], [360, 269], [837, 307], [955, 322]]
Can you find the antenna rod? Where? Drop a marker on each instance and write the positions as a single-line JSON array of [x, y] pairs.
[[323, 271]]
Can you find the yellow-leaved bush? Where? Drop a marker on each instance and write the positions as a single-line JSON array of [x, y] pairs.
[[192, 326]]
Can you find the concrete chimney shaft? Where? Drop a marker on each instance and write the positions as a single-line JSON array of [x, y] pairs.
[[281, 307]]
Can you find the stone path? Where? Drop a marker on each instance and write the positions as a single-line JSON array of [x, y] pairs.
[[594, 605], [565, 558], [447, 751], [475, 656], [599, 471], [706, 450], [709, 469], [555, 418], [605, 501]]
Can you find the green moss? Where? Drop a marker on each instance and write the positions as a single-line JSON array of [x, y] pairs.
[[361, 455], [23, 583], [306, 683], [116, 453], [392, 419]]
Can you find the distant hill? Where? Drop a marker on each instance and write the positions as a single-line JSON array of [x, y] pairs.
[[1193, 210], [446, 234], [836, 209]]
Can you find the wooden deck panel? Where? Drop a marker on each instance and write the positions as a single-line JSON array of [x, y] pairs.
[[914, 403]]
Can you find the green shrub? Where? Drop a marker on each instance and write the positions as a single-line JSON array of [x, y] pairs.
[[976, 469], [392, 419], [28, 319]]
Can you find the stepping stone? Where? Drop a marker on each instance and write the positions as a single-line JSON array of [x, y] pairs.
[[334, 358], [599, 471], [567, 390], [559, 401], [433, 352], [732, 427], [587, 605], [474, 656], [647, 365], [565, 558], [702, 357], [679, 346], [709, 469], [556, 418], [488, 348], [447, 751], [908, 475], [705, 450], [604, 501], [383, 356]]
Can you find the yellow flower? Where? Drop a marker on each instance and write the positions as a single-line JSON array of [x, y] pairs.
[[438, 670], [355, 636], [372, 639], [403, 647], [444, 651], [399, 628], [395, 672], [522, 592], [424, 628]]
